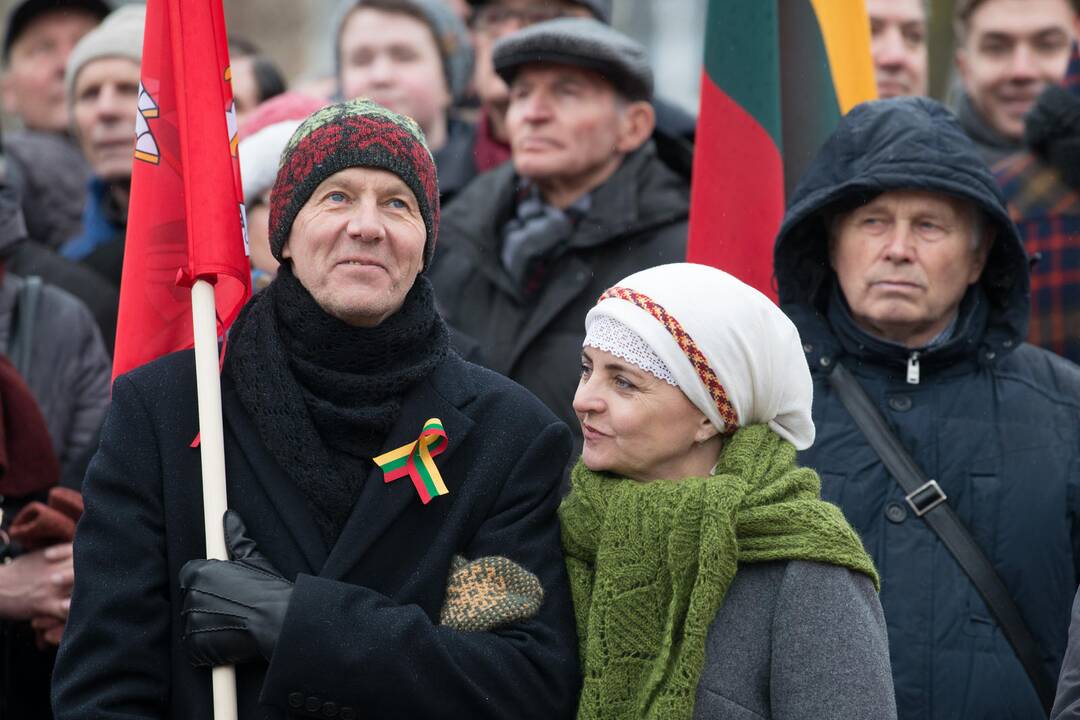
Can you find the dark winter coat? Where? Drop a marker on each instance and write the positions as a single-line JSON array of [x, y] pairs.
[[49, 173], [994, 420], [360, 638], [638, 219], [69, 369]]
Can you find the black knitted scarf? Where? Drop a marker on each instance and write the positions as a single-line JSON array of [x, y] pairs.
[[324, 394]]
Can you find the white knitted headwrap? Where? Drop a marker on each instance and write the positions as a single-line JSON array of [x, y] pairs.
[[748, 343], [611, 336]]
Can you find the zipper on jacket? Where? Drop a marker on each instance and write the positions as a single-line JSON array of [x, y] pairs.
[[913, 368]]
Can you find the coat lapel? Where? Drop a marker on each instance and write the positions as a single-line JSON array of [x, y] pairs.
[[286, 499], [380, 503]]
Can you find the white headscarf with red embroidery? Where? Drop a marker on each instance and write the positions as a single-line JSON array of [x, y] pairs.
[[734, 354]]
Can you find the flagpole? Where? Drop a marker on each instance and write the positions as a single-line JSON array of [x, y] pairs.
[[212, 455]]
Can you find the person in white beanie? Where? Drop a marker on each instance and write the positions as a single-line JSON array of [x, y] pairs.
[[102, 83], [709, 578]]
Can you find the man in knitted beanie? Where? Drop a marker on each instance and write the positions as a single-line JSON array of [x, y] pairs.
[[393, 542], [103, 93]]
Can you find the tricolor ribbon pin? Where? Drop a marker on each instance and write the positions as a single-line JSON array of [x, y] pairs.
[[416, 459]]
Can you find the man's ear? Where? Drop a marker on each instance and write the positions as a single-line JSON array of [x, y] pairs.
[[286, 254], [636, 126]]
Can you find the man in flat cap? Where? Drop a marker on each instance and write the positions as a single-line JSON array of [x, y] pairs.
[[528, 247]]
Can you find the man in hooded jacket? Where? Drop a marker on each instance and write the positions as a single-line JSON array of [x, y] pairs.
[[994, 420]]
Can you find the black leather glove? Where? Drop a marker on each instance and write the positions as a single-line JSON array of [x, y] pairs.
[[233, 610]]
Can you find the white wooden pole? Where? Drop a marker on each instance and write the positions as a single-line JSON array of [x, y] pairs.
[[212, 454]]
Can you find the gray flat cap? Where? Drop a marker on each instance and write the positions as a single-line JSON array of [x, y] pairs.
[[578, 42]]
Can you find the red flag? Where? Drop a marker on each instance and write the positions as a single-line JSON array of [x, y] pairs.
[[186, 218]]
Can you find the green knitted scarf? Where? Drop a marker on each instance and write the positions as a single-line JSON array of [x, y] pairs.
[[650, 563]]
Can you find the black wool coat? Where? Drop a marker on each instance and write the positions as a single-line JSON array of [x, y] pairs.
[[360, 637]]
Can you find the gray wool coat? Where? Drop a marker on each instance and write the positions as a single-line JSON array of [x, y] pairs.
[[797, 640]]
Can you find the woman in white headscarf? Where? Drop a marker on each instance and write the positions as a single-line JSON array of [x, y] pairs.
[[709, 579]]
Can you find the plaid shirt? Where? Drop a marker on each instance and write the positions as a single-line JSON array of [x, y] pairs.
[[1048, 215], [1047, 211]]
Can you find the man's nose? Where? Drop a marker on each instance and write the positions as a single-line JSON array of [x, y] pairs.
[[1023, 63], [365, 221], [536, 108], [382, 70], [111, 103], [900, 243], [889, 49]]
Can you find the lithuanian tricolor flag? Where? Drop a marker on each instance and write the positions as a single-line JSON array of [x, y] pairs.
[[778, 76]]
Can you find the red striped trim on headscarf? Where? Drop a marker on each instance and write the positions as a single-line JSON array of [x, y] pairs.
[[689, 347]]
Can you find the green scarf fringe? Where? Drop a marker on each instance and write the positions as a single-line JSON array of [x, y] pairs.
[[650, 563]]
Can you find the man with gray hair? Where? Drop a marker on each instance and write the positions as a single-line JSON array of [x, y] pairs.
[[951, 445], [585, 201]]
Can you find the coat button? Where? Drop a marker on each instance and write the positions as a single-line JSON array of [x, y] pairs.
[[296, 699], [1007, 343], [329, 709], [900, 403], [825, 361], [313, 704], [896, 512], [347, 713], [808, 348]]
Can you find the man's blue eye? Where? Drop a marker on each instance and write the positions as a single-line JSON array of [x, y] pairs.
[[336, 197]]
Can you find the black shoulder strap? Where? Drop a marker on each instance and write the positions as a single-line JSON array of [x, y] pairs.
[[22, 337], [927, 499]]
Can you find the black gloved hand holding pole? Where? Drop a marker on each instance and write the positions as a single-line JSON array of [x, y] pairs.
[[233, 610]]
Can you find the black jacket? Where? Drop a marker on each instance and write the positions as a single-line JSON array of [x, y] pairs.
[[638, 219], [361, 629], [994, 420]]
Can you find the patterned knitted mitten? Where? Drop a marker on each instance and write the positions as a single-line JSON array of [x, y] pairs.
[[489, 592]]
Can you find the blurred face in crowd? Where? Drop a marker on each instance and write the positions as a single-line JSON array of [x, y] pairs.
[[245, 87], [393, 59], [33, 83], [357, 245], [569, 129], [1011, 50], [258, 220], [106, 98], [898, 45], [495, 20], [638, 426], [904, 262]]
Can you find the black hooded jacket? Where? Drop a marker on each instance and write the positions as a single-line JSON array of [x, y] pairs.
[[994, 420]]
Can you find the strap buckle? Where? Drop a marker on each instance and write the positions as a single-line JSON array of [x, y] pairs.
[[925, 498]]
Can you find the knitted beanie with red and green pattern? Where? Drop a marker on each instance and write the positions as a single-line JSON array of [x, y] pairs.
[[358, 133]]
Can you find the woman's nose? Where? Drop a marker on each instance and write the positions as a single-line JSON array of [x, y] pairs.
[[587, 399]]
